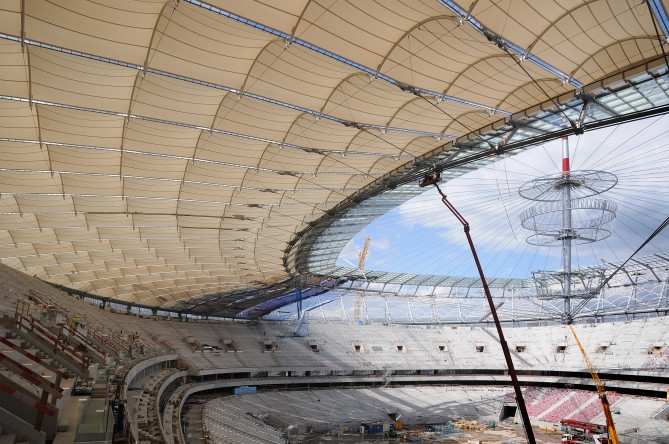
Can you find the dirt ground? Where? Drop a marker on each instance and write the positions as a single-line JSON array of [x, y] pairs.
[[500, 434]]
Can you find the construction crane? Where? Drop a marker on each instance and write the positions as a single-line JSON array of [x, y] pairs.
[[601, 390], [361, 262], [363, 254]]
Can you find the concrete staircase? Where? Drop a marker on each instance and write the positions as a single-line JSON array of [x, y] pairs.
[[9, 438]]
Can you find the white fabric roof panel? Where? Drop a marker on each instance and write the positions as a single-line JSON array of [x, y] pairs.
[[203, 208], [160, 97], [357, 99], [148, 167], [79, 187], [13, 74], [165, 151], [589, 28], [19, 182], [61, 222], [525, 96], [436, 43], [53, 247], [72, 161], [76, 235], [10, 16], [226, 156], [103, 204], [276, 67], [121, 30], [17, 156], [152, 137], [421, 115], [481, 82], [17, 120], [193, 40], [249, 116], [81, 82], [78, 127], [308, 131], [615, 55], [365, 35]]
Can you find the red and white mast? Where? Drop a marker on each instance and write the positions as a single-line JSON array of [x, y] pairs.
[[567, 229]]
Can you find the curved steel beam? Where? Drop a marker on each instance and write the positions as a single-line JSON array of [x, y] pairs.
[[404, 149], [554, 22], [471, 65], [647, 37], [255, 60], [397, 111], [135, 88], [407, 33], [456, 120], [546, 80], [292, 33], [197, 143], [336, 88]]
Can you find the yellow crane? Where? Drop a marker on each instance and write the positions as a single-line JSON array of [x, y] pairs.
[[363, 254], [361, 262], [601, 390]]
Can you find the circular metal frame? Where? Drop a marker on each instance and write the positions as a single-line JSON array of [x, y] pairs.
[[588, 218], [580, 238], [583, 184], [585, 283]]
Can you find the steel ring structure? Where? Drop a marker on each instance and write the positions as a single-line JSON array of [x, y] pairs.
[[582, 184], [590, 216]]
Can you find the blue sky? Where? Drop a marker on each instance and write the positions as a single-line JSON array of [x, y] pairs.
[[422, 236]]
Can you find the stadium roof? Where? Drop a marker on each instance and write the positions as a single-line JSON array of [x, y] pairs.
[[202, 156]]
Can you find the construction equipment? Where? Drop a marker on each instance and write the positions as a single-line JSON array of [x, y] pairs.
[[363, 254], [361, 262], [601, 390], [582, 427], [433, 179]]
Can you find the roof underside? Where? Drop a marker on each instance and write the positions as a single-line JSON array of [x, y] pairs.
[[184, 154]]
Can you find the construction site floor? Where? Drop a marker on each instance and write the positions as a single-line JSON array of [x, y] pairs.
[[500, 434]]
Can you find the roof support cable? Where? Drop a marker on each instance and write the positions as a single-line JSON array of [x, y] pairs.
[[599, 288], [657, 33], [501, 44], [362, 128], [415, 91]]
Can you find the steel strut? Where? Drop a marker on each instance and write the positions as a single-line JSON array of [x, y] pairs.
[[432, 180]]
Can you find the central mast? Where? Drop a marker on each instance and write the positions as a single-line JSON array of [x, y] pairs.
[[568, 214], [567, 232]]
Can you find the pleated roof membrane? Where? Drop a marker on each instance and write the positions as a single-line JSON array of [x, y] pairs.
[[172, 154]]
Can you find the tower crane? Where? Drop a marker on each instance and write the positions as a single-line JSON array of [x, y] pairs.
[[601, 390], [363, 254], [361, 262]]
